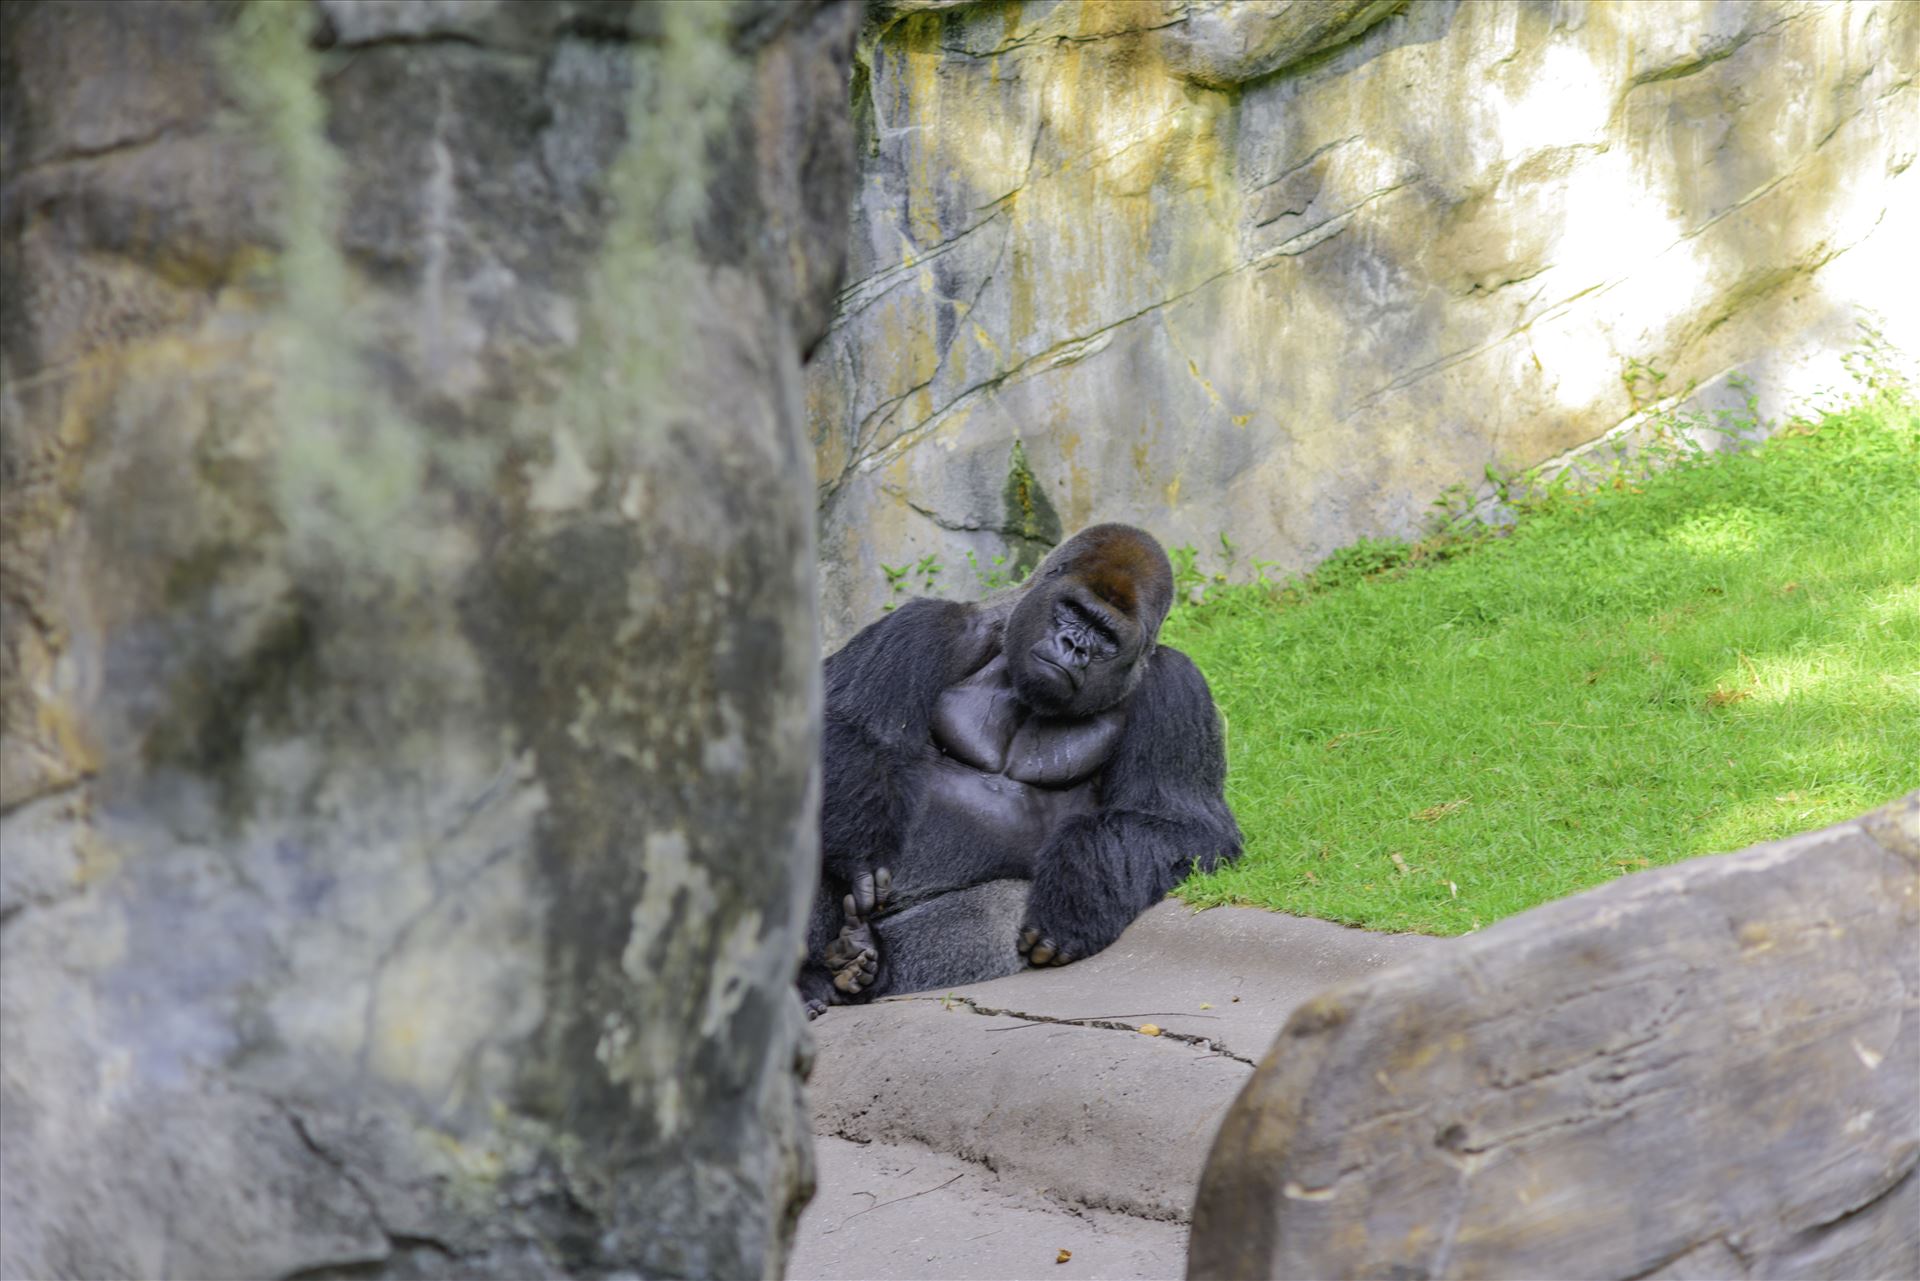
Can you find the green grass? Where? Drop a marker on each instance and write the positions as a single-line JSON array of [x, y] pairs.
[[1703, 657]]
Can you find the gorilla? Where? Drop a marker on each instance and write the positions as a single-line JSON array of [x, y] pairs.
[[1011, 782]]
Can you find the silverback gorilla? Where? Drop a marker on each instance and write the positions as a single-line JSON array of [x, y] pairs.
[[1018, 778]]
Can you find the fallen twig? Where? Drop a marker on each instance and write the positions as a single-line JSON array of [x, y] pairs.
[[908, 1197]]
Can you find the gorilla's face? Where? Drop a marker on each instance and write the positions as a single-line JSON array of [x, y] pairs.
[[1070, 653]]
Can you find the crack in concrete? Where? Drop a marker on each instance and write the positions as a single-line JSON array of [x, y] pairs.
[[985, 1161], [1105, 1022]]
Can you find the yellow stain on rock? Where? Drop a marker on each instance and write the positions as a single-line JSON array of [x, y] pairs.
[[1108, 128], [923, 54], [986, 341], [60, 724], [1079, 486]]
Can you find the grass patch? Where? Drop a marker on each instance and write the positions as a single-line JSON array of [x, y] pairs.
[[1681, 662]]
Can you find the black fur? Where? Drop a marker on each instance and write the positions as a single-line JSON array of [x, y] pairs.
[[984, 866]]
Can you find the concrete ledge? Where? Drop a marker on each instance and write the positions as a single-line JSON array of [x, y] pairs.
[[1711, 1069], [1043, 1075]]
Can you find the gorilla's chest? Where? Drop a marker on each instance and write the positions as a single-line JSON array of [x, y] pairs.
[[981, 724], [999, 781]]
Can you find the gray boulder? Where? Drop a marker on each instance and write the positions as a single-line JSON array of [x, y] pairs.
[[1707, 1070], [408, 658]]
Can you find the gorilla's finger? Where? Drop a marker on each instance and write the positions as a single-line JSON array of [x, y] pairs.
[[1062, 958], [848, 906], [1042, 953], [1027, 939], [863, 893], [882, 887]]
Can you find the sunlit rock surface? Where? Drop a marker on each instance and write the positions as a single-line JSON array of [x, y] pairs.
[[1706, 1070], [408, 658], [1288, 271]]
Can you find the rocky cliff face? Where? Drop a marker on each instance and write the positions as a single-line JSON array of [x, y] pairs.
[[409, 662], [1286, 271]]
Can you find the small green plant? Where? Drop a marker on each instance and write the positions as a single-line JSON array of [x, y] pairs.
[[1464, 516], [1874, 365], [1454, 514], [1189, 580], [1192, 581], [1368, 558], [922, 577], [996, 575], [1644, 382], [917, 579]]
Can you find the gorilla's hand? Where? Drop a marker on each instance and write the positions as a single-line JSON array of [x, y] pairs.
[[872, 894], [854, 956], [1041, 950]]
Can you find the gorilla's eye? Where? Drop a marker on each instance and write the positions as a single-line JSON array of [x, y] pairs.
[[1087, 630]]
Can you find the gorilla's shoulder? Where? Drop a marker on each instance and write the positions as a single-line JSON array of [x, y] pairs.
[[909, 655], [1171, 674], [922, 628], [922, 614], [1173, 702]]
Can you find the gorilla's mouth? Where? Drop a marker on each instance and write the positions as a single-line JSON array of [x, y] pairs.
[[1066, 675]]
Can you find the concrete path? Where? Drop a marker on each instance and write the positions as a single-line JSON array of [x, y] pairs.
[[1040, 1111], [910, 1213]]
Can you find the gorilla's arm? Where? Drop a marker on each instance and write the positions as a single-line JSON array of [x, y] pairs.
[[1161, 814], [881, 688]]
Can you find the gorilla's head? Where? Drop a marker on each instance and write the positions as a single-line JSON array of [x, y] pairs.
[[1079, 636]]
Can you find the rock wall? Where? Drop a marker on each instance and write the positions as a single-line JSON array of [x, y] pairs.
[[1708, 1070], [1287, 271], [409, 661]]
